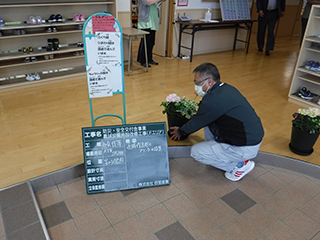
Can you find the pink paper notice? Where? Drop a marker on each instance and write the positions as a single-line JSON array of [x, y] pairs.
[[103, 23]]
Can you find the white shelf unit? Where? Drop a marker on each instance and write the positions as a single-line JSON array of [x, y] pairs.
[[310, 51], [66, 60]]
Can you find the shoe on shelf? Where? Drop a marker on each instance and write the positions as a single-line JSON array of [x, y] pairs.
[[22, 31], [50, 44], [39, 19], [36, 76], [32, 21], [27, 59], [80, 44], [49, 29], [237, 173], [34, 59], [30, 77], [154, 63], [30, 49], [24, 50], [305, 94], [315, 67], [76, 18], [52, 18], [82, 17], [308, 65], [55, 42], [54, 29], [59, 18], [80, 27], [2, 22], [16, 31]]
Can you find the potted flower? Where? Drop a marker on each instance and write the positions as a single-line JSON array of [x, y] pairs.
[[178, 110], [305, 130]]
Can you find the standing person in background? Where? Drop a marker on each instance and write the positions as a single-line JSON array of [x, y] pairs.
[[149, 21], [305, 16], [269, 12]]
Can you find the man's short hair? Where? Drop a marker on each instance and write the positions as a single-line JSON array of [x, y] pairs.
[[206, 70]]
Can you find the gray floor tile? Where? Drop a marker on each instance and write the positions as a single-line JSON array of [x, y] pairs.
[[31, 232], [19, 217], [239, 201], [14, 196], [55, 214], [128, 192], [174, 231]]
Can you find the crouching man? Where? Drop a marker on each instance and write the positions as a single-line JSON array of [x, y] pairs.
[[233, 131]]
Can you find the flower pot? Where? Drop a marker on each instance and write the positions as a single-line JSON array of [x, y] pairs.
[[178, 122], [302, 142]]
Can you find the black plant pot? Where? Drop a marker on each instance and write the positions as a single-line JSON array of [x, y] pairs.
[[302, 142], [178, 122]]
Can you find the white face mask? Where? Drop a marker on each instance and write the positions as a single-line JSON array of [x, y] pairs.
[[199, 90]]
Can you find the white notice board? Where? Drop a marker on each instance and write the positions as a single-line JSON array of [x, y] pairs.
[[103, 48], [104, 56]]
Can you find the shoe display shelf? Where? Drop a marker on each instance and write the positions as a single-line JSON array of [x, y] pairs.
[[303, 75], [65, 61]]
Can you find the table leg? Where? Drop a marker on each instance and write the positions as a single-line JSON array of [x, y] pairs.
[[192, 43], [180, 34], [248, 37], [129, 60], [145, 51], [235, 38]]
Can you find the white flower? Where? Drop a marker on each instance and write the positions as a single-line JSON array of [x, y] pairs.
[[311, 112]]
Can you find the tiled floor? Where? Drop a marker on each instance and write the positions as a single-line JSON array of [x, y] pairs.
[[20, 214], [269, 203]]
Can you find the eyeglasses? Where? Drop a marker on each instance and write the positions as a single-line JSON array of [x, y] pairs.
[[197, 83]]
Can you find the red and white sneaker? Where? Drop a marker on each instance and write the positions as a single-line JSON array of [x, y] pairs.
[[237, 173]]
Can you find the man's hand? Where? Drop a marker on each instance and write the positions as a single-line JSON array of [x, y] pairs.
[[282, 14], [261, 14], [174, 131]]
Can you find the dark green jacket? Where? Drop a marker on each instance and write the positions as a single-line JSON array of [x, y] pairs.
[[229, 116]]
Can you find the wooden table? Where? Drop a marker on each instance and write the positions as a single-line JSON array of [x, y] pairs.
[[133, 33], [197, 25]]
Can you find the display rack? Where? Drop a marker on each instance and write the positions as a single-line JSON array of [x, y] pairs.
[[16, 34], [310, 51]]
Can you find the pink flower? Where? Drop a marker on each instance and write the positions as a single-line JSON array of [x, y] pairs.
[[173, 98]]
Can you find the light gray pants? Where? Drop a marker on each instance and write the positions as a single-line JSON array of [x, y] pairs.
[[221, 155]]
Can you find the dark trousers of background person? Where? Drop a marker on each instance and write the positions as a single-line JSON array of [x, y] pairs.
[[304, 22], [150, 39], [269, 20]]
